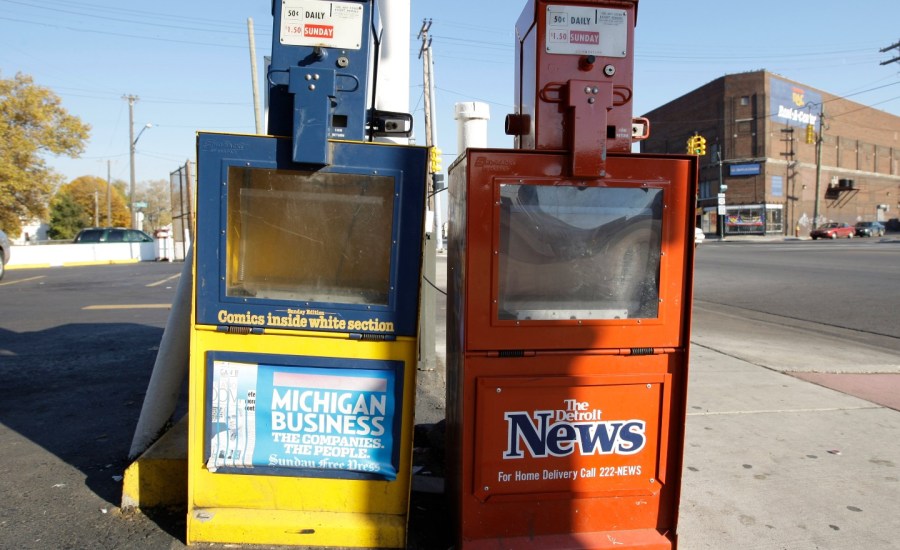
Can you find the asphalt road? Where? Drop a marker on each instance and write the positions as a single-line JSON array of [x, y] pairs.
[[77, 346], [823, 311], [847, 284], [76, 349]]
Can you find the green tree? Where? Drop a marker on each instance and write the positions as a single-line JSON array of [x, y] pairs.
[[67, 217], [33, 123]]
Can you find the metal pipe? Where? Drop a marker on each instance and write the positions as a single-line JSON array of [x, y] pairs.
[[393, 73], [254, 80]]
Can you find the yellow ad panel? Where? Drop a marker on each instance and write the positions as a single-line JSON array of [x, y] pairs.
[[338, 508]]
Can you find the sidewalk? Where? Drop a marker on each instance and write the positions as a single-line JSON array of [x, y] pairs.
[[775, 462]]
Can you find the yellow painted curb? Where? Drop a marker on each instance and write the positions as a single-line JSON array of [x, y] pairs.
[[100, 262], [27, 266], [158, 478]]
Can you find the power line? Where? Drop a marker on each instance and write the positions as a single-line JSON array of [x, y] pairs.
[[864, 107], [773, 115], [107, 95], [730, 57], [122, 35], [866, 91], [474, 43], [122, 15], [470, 97]]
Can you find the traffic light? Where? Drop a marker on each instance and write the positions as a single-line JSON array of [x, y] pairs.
[[435, 160], [696, 145], [810, 133]]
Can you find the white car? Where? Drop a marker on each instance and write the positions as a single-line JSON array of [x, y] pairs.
[[699, 236], [4, 252]]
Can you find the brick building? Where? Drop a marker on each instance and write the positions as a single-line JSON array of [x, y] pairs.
[[767, 130]]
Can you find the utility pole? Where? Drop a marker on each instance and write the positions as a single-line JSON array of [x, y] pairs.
[[427, 355], [819, 139], [425, 56], [894, 46], [253, 78], [109, 222], [721, 213], [131, 99], [132, 143], [426, 43], [789, 175], [434, 199]]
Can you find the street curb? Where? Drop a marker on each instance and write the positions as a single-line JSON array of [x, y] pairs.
[[72, 264], [100, 262], [27, 266], [158, 478]]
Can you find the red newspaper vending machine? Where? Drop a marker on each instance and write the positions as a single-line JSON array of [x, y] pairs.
[[569, 294]]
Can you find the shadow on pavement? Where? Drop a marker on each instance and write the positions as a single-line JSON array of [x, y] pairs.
[[76, 391]]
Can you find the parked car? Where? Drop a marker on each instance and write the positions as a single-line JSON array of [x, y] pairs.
[[112, 235], [699, 236], [833, 230], [4, 252], [869, 229]]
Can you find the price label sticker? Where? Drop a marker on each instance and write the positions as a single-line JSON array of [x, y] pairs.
[[326, 24]]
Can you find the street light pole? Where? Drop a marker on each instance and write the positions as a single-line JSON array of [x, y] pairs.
[[131, 99], [132, 140], [720, 227]]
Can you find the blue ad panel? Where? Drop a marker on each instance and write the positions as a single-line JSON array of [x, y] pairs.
[[306, 419], [793, 105]]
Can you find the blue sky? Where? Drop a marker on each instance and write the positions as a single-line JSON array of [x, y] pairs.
[[188, 62]]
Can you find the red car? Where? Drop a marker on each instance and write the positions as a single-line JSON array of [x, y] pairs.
[[833, 230]]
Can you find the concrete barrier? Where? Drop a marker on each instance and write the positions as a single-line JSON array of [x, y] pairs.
[[58, 255]]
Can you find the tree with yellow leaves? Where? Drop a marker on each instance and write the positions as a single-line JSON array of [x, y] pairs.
[[33, 124], [82, 203]]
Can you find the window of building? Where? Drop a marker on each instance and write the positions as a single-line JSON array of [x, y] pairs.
[[774, 223], [745, 100], [745, 220]]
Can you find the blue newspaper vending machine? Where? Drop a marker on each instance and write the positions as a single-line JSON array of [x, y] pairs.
[[306, 300]]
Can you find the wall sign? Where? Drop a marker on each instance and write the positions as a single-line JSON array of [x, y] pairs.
[[792, 105], [743, 169]]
